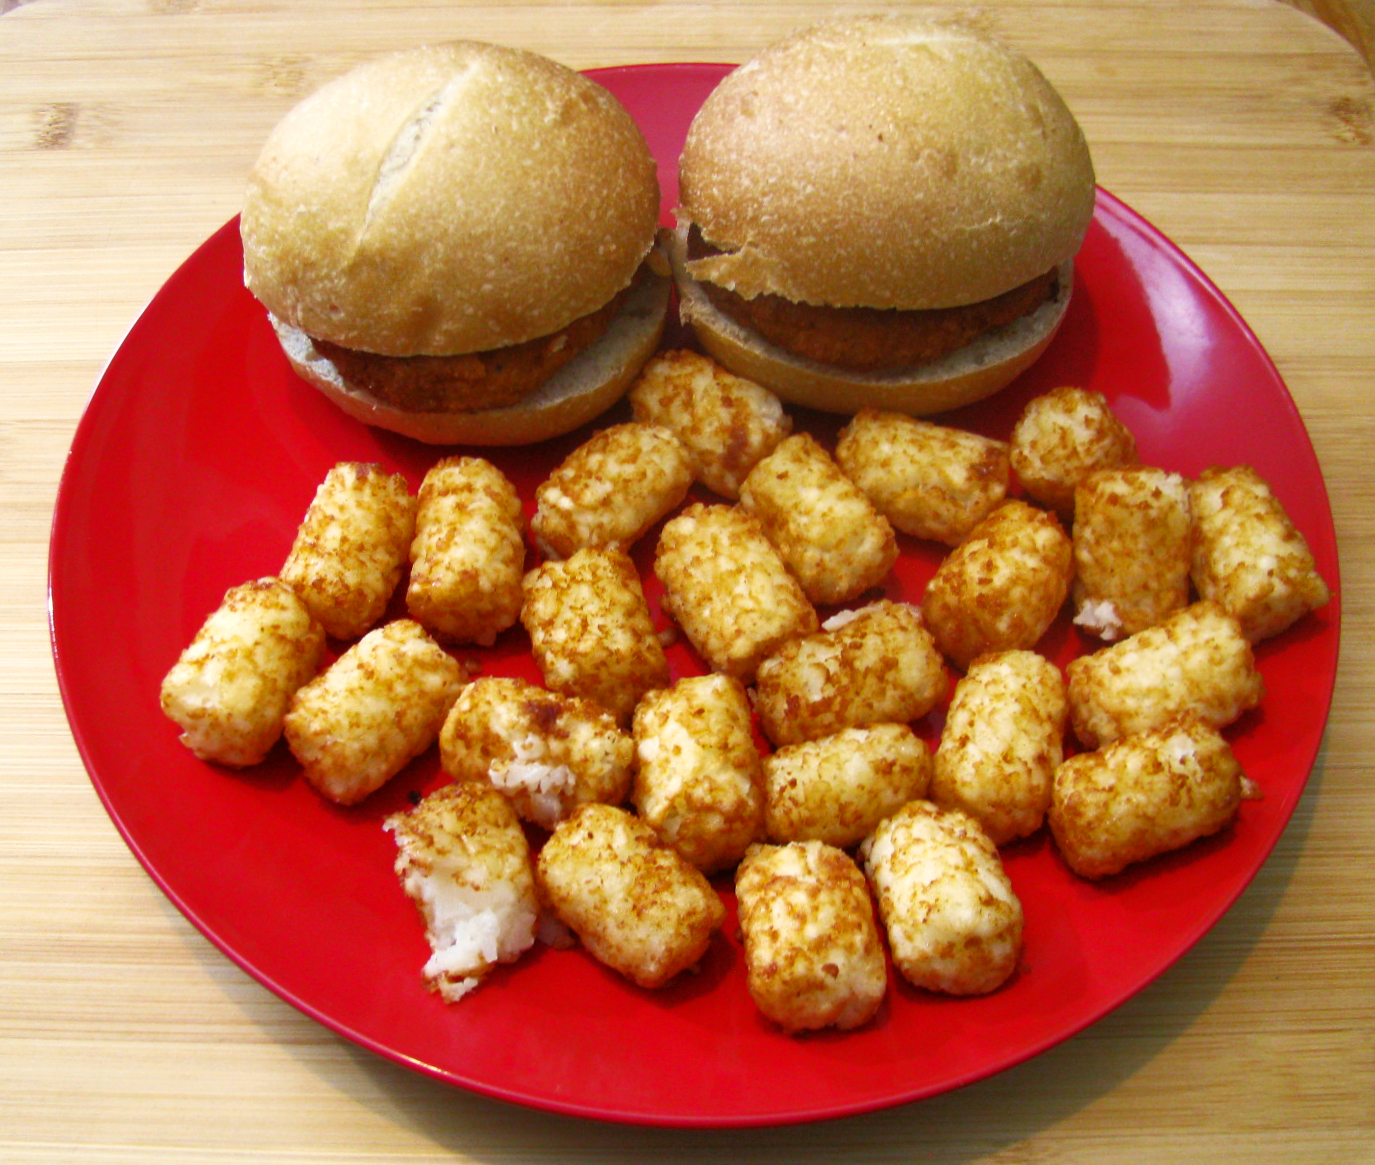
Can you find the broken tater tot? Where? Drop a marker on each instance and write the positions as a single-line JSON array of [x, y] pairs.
[[549, 753], [1197, 660], [1001, 588], [611, 489], [1062, 436], [468, 554], [1002, 741], [463, 860], [954, 922], [351, 547], [834, 541], [230, 688], [590, 629], [637, 905], [1145, 795], [727, 588], [376, 708], [813, 953], [727, 423], [699, 780], [1132, 541], [1249, 557], [867, 666], [930, 481], [838, 788]]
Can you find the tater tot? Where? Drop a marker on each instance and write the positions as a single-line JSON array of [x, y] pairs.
[[1249, 557], [1132, 542], [230, 688], [930, 481], [376, 708], [351, 547], [836, 544], [866, 666], [635, 904], [611, 489], [1197, 660], [698, 777], [468, 554], [1002, 742], [1001, 588], [590, 629], [1062, 436], [547, 752], [1144, 795], [463, 860], [727, 588], [813, 953], [727, 423], [954, 922], [838, 788]]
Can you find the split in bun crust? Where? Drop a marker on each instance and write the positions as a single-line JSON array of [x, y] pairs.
[[896, 163], [458, 199]]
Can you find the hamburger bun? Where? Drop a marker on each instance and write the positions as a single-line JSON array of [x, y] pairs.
[[896, 163], [458, 199]]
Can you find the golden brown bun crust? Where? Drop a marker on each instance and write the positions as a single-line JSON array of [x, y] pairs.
[[891, 162], [974, 372], [469, 196], [577, 393]]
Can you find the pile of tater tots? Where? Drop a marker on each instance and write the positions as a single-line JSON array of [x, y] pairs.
[[591, 810]]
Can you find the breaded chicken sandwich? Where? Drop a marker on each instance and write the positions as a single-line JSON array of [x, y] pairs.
[[881, 211], [453, 242]]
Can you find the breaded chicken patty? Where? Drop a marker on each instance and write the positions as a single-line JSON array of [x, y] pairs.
[[472, 380], [865, 339]]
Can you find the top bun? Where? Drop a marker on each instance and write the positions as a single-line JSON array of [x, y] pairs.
[[446, 200], [886, 162]]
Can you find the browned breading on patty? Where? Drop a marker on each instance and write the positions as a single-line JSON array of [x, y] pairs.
[[865, 339], [473, 380]]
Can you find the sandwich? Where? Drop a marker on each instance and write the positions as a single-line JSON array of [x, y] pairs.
[[881, 211], [456, 243]]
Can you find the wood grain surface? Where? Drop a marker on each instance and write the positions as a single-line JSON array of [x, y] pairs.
[[1243, 129], [1354, 19]]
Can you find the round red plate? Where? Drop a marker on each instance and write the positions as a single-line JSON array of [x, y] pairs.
[[189, 472]]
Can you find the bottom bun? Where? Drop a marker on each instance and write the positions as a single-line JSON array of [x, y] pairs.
[[581, 390], [974, 372]]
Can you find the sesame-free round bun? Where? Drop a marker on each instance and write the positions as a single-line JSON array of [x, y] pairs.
[[970, 374], [447, 200], [884, 162], [577, 393]]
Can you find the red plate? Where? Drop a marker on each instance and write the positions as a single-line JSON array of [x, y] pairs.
[[189, 472]]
